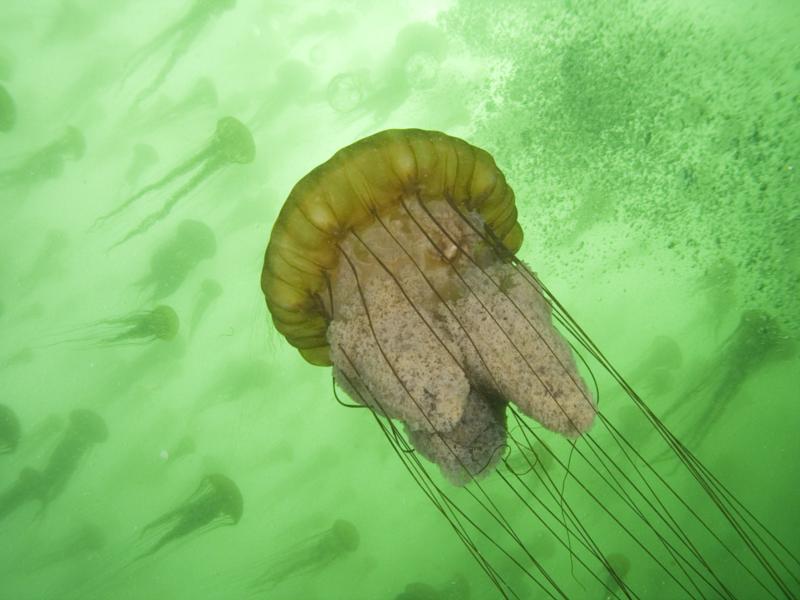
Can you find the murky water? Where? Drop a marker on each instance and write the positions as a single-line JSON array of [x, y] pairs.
[[159, 438]]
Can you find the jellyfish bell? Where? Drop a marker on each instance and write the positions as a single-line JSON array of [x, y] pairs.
[[394, 262], [235, 142], [88, 426], [10, 430], [8, 111], [72, 143]]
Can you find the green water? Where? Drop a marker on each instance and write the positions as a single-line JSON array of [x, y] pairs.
[[654, 150]]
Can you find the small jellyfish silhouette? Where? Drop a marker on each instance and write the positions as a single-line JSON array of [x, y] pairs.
[[143, 159], [756, 342], [413, 64], [8, 111], [140, 327], [232, 143], [618, 567], [455, 589], [28, 487], [395, 263], [47, 162], [310, 555], [180, 35], [210, 291], [85, 430], [216, 502], [176, 257], [10, 430]]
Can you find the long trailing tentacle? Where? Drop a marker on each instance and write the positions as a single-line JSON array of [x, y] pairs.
[[211, 166], [176, 172]]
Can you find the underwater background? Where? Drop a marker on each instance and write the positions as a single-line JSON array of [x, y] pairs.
[[653, 148]]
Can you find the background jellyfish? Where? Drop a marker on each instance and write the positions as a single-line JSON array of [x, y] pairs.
[[232, 143], [756, 342], [47, 162], [29, 486], [412, 64], [10, 430], [620, 565], [210, 291], [310, 555], [143, 159], [216, 502], [8, 111], [180, 35], [395, 263], [85, 429], [139, 327], [176, 257]]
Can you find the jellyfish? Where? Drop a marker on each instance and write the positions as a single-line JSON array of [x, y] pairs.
[[757, 341], [139, 327], [180, 35], [8, 111], [47, 162], [216, 502], [28, 487], [210, 291], [310, 555], [413, 64], [394, 262], [175, 258], [10, 430], [232, 143], [144, 158], [85, 430]]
